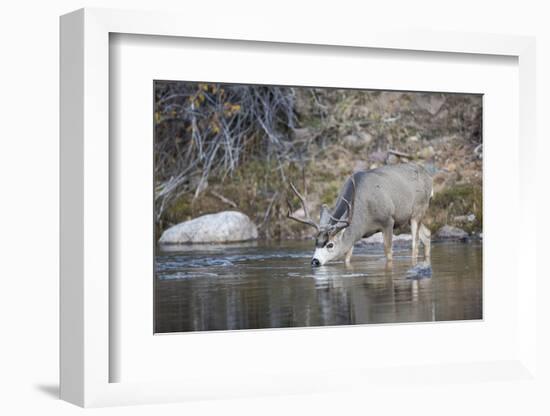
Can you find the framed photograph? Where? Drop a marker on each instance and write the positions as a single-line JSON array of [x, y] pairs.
[[234, 252], [237, 208]]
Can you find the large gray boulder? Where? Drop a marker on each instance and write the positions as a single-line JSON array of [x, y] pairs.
[[222, 227], [448, 232]]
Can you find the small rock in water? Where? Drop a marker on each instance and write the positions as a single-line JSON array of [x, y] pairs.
[[420, 271], [448, 232]]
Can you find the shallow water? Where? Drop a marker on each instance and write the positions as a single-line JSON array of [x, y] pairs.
[[202, 288]]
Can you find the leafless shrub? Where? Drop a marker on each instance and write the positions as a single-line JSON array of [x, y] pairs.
[[203, 129]]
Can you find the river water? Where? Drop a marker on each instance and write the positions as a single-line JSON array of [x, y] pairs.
[[259, 285]]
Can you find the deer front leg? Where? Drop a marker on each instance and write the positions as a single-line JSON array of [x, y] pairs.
[[388, 236], [425, 237], [347, 259], [414, 232]]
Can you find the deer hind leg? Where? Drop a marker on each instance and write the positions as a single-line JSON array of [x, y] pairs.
[[425, 237], [414, 232], [388, 236]]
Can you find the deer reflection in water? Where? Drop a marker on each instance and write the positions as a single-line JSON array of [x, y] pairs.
[[345, 294]]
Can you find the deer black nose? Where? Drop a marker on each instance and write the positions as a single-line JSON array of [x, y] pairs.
[[315, 262]]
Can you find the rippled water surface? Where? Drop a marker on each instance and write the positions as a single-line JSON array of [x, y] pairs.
[[202, 288]]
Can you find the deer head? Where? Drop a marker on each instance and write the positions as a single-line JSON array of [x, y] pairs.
[[330, 230]]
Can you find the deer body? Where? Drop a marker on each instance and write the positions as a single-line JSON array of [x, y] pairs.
[[372, 201]]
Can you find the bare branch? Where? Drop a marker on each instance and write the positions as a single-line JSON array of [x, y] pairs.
[[223, 199], [400, 154]]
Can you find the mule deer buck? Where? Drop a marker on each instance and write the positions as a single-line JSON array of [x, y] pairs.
[[371, 201]]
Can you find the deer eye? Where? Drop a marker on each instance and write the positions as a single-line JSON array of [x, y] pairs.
[[330, 245]]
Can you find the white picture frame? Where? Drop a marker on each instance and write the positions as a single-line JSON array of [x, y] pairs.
[[85, 164]]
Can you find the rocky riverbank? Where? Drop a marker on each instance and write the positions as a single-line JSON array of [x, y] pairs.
[[234, 226]]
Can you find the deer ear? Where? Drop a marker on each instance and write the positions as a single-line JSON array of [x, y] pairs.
[[336, 231]]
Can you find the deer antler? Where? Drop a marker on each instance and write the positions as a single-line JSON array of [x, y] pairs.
[[339, 222], [307, 220]]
